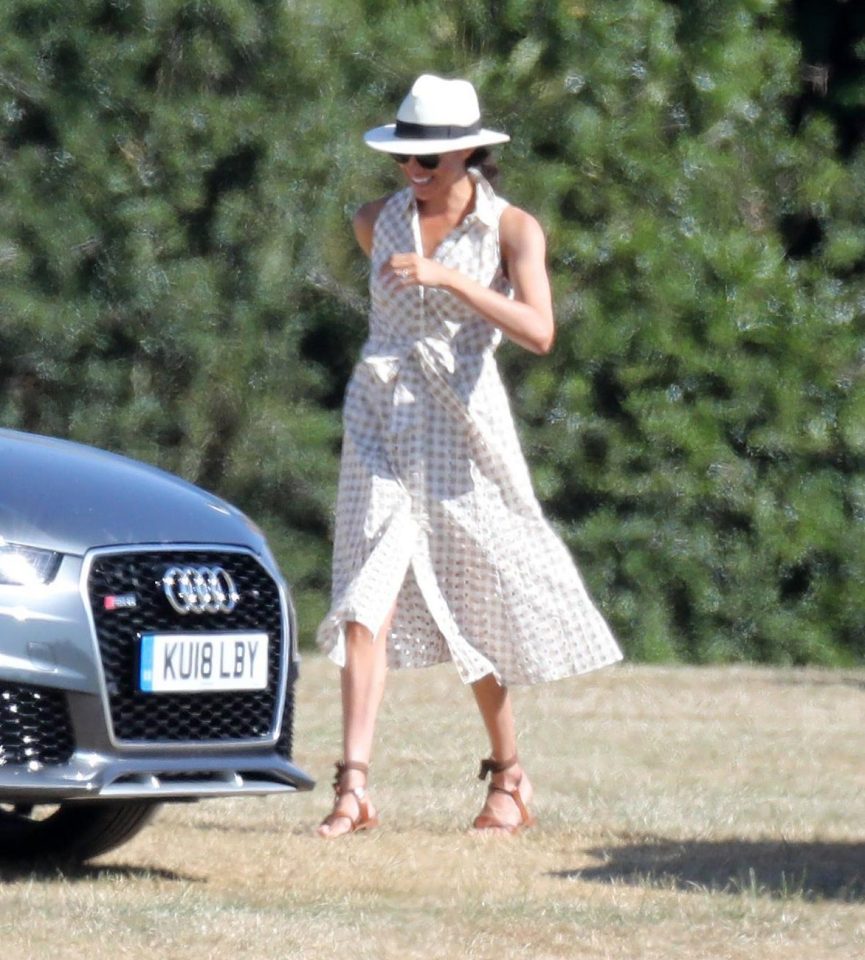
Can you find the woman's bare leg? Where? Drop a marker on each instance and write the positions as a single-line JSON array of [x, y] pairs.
[[362, 682], [494, 703]]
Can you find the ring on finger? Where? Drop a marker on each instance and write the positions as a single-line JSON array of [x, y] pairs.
[[402, 273]]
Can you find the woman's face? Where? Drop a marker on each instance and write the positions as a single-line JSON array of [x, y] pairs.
[[428, 183]]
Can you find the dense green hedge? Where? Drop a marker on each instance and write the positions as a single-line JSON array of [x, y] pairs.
[[177, 279]]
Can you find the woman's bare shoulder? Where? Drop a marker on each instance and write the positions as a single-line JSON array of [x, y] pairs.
[[519, 230], [515, 220], [364, 220]]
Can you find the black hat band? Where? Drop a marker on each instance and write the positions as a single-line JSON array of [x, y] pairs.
[[421, 131]]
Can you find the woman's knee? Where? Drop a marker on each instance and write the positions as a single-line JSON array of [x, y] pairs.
[[357, 634], [362, 650]]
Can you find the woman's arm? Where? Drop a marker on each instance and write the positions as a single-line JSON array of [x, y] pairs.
[[528, 318], [364, 223]]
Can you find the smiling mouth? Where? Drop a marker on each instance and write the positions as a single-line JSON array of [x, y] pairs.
[[421, 181]]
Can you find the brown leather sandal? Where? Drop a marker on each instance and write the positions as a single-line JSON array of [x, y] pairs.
[[363, 820], [489, 822]]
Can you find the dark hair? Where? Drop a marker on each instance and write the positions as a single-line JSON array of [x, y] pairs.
[[482, 159]]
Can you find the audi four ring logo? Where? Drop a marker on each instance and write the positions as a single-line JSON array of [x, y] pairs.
[[199, 590]]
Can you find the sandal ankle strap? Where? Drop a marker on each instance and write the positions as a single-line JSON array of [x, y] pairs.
[[489, 765], [342, 768]]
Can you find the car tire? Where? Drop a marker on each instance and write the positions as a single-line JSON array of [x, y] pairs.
[[71, 832]]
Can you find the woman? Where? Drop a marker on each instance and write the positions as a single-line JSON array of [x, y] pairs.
[[441, 550]]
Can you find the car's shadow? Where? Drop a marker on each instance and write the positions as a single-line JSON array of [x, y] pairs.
[[775, 868], [47, 872]]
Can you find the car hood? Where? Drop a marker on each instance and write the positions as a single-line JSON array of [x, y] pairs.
[[68, 497]]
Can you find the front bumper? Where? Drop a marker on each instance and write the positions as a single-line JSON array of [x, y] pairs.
[[93, 776]]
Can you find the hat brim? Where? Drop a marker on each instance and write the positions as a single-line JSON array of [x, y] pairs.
[[385, 139]]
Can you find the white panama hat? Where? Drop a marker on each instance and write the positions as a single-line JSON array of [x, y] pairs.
[[437, 116]]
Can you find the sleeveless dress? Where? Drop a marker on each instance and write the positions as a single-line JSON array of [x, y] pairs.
[[435, 508]]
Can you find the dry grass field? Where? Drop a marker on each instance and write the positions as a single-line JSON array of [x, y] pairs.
[[684, 813]]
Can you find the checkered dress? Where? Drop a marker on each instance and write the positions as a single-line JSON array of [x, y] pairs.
[[435, 506]]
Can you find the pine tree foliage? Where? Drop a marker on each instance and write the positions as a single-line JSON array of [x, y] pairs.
[[177, 278]]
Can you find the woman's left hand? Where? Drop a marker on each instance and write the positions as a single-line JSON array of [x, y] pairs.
[[412, 270]]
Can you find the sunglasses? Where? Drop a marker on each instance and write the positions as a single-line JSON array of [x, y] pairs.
[[429, 161]]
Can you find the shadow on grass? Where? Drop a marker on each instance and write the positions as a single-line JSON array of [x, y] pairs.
[[71, 873], [812, 680], [813, 871]]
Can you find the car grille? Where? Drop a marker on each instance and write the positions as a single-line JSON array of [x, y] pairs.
[[176, 717], [284, 744], [35, 727]]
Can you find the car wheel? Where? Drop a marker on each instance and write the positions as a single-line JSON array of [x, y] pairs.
[[70, 832]]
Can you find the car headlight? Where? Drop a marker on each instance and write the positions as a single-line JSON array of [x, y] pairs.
[[26, 566]]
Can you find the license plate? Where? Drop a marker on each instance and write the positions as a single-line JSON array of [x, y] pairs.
[[199, 662]]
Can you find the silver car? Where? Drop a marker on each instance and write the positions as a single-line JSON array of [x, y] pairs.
[[147, 650]]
